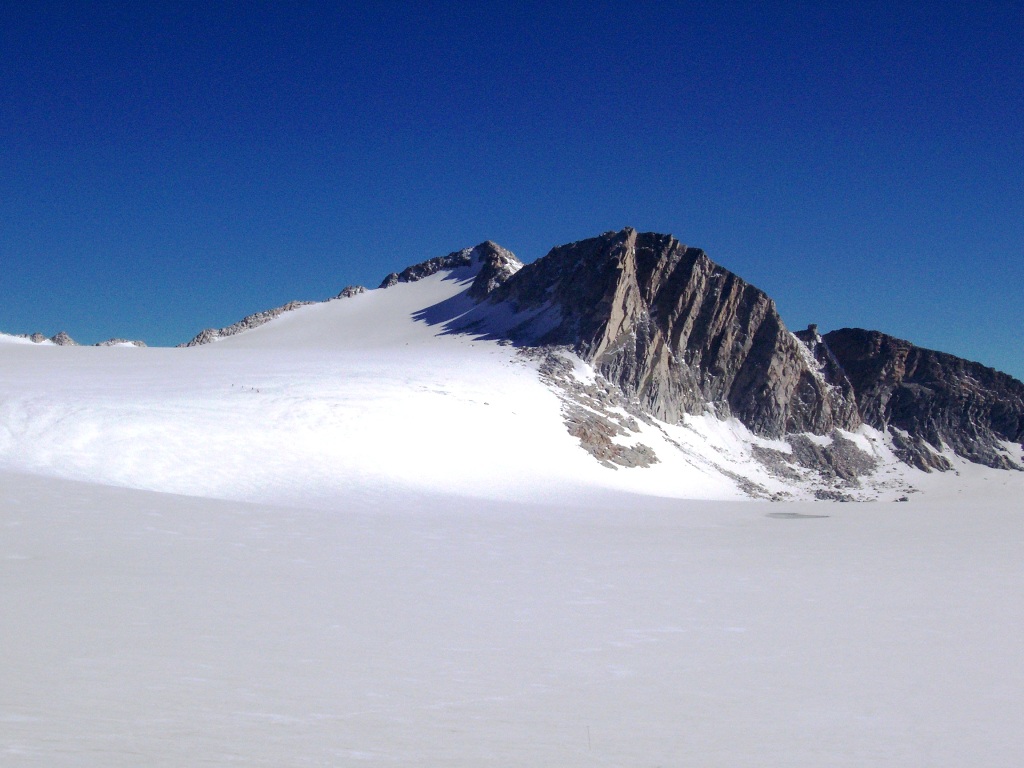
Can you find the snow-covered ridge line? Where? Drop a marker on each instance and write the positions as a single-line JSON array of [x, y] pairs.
[[494, 263], [453, 260], [248, 322], [678, 336], [62, 339], [257, 319]]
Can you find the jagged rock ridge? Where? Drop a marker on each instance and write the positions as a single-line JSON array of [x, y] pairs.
[[120, 343], [496, 265], [942, 400], [245, 324], [61, 339], [677, 332]]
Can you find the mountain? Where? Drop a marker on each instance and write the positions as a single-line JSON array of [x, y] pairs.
[[495, 513], [928, 399], [627, 361], [679, 335]]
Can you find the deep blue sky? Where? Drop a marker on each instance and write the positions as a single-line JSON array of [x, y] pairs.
[[168, 167]]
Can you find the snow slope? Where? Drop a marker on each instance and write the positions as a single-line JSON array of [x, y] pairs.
[[420, 630], [348, 396], [360, 395]]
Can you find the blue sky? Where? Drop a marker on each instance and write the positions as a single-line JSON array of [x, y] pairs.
[[169, 167]]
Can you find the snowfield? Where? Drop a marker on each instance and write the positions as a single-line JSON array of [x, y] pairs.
[[351, 393], [348, 538]]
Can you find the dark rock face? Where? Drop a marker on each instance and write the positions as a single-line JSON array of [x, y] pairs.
[[677, 332], [841, 459], [934, 398], [495, 264]]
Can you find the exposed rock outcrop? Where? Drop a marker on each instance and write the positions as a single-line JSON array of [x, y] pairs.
[[595, 414], [350, 290], [61, 339], [935, 399], [495, 265], [677, 332], [120, 343], [429, 267], [246, 323]]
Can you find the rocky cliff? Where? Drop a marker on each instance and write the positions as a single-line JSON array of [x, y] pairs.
[[932, 398], [677, 332]]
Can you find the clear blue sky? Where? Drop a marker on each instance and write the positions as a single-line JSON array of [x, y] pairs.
[[166, 167]]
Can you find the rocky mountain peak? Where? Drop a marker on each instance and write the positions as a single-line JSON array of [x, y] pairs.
[[493, 265], [496, 265], [677, 332], [62, 339], [350, 290]]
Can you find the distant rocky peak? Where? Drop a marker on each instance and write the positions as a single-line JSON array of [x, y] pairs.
[[118, 342], [496, 266], [810, 335], [63, 340], [493, 265], [350, 290]]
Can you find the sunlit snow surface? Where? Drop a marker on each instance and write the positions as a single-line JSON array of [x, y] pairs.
[[325, 399], [388, 551]]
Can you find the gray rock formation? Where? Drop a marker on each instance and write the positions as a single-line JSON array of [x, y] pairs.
[[245, 324], [495, 265], [430, 267], [677, 332], [934, 399], [119, 342], [349, 291], [61, 339]]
